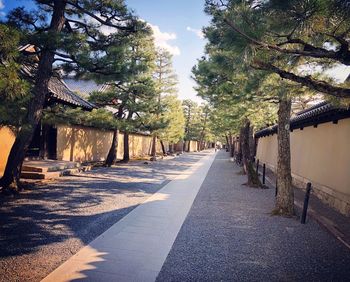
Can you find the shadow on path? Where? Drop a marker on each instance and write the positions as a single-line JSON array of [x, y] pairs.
[[45, 225]]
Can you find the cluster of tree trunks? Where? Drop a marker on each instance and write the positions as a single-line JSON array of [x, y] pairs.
[[112, 153], [246, 137], [231, 141], [247, 149]]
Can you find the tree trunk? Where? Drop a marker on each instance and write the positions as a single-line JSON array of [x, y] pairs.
[[12, 171], [154, 148], [112, 154], [163, 147], [228, 144], [253, 179], [251, 144], [231, 146], [240, 151], [126, 156], [285, 195]]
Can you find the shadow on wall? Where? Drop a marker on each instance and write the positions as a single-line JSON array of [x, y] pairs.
[[82, 143], [89, 144], [7, 138]]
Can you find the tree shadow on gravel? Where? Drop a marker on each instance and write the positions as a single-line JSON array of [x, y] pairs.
[[28, 227], [82, 206]]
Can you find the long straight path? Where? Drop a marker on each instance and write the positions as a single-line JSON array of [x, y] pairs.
[[206, 226], [135, 248]]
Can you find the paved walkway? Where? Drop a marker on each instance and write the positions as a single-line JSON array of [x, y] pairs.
[[135, 248], [225, 234], [46, 224]]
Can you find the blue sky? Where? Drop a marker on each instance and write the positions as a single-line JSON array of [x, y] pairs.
[[177, 27], [183, 21]]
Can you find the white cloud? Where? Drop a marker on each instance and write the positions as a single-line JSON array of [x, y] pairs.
[[2, 6], [161, 40], [107, 30], [197, 32], [338, 72]]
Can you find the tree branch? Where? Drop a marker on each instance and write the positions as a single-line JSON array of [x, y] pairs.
[[87, 31], [318, 85], [107, 22], [342, 56]]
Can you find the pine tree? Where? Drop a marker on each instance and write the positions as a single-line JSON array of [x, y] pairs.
[[279, 36], [174, 117], [69, 31], [133, 96], [14, 90], [165, 82]]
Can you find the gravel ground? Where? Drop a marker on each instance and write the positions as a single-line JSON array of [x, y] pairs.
[[333, 218], [229, 235], [44, 226]]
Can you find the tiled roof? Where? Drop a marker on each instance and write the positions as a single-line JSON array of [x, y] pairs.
[[60, 91], [320, 113]]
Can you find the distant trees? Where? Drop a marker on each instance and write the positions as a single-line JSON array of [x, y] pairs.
[[173, 115], [167, 123], [197, 125], [190, 109], [235, 109]]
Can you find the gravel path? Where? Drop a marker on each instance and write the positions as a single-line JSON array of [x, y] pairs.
[[330, 218], [229, 235], [45, 226]]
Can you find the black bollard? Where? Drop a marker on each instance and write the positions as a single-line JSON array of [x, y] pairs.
[[257, 166], [264, 168], [306, 202], [276, 191]]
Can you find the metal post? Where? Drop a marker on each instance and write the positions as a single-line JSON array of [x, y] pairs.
[[257, 166], [276, 191], [306, 202], [264, 168]]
